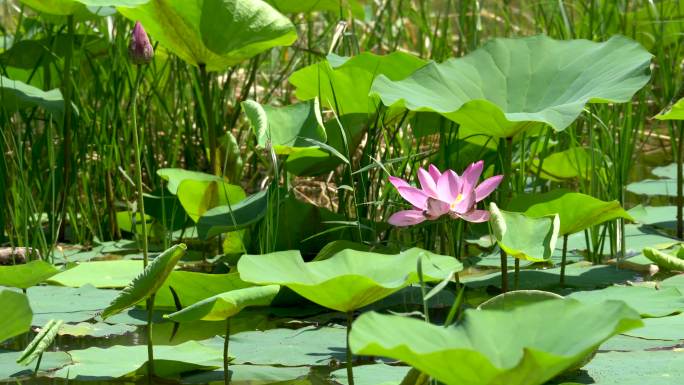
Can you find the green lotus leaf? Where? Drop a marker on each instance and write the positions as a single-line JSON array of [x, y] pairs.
[[11, 372], [17, 321], [577, 211], [199, 192], [40, 342], [524, 237], [148, 282], [673, 112], [513, 299], [284, 128], [71, 7], [68, 304], [511, 85], [192, 287], [225, 218], [15, 95], [377, 374], [654, 187], [348, 280], [647, 301], [214, 33], [575, 162], [664, 260], [117, 361], [306, 6], [98, 329], [101, 274], [516, 347], [26, 275], [226, 305], [343, 83]]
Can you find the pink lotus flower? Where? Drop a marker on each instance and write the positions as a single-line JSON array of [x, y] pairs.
[[444, 193]]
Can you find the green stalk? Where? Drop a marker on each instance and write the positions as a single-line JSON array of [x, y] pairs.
[[209, 123], [67, 91], [141, 210], [226, 376], [680, 180], [563, 260], [350, 370]]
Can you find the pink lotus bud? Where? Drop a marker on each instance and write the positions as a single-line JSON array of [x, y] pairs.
[[140, 50]]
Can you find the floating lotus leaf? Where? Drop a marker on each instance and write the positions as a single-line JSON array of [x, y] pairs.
[[285, 129], [664, 260], [225, 305], [648, 302], [148, 282], [513, 299], [11, 372], [68, 304], [517, 347], [99, 329], [348, 280], [127, 361], [511, 85], [524, 237], [101, 274], [343, 83], [577, 211], [40, 342], [26, 275], [673, 112], [214, 33], [652, 367], [378, 374], [18, 320]]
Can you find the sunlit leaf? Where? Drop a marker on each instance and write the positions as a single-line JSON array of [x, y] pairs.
[[18, 320], [524, 237], [226, 305], [26, 275]]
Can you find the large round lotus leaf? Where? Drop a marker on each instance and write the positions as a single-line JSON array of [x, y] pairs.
[[99, 329], [252, 374], [148, 282], [524, 237], [26, 275], [101, 274], [510, 85], [517, 298], [648, 302], [575, 162], [289, 6], [12, 372], [214, 33], [673, 112], [225, 218], [634, 368], [657, 187], [379, 374], [125, 361], [348, 280], [576, 211], [517, 347], [71, 7], [17, 315], [226, 305], [663, 217], [663, 328], [343, 83]]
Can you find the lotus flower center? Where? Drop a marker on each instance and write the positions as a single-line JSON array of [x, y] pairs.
[[459, 198]]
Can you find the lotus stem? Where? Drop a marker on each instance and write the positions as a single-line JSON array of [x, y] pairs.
[[504, 271], [35, 371], [226, 340], [516, 276], [680, 180], [141, 210], [350, 370], [563, 260], [67, 91]]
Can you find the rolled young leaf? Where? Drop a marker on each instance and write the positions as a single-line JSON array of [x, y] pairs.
[[148, 282], [40, 342]]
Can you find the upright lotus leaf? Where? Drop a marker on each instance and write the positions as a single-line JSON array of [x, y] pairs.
[[26, 275], [517, 298], [148, 282], [524, 237], [18, 320], [511, 85], [15, 95], [225, 305], [349, 279], [516, 347], [673, 112], [575, 162], [305, 6], [664, 260], [343, 83], [40, 342], [227, 218], [214, 33], [199, 192], [284, 128], [71, 7], [576, 211]]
